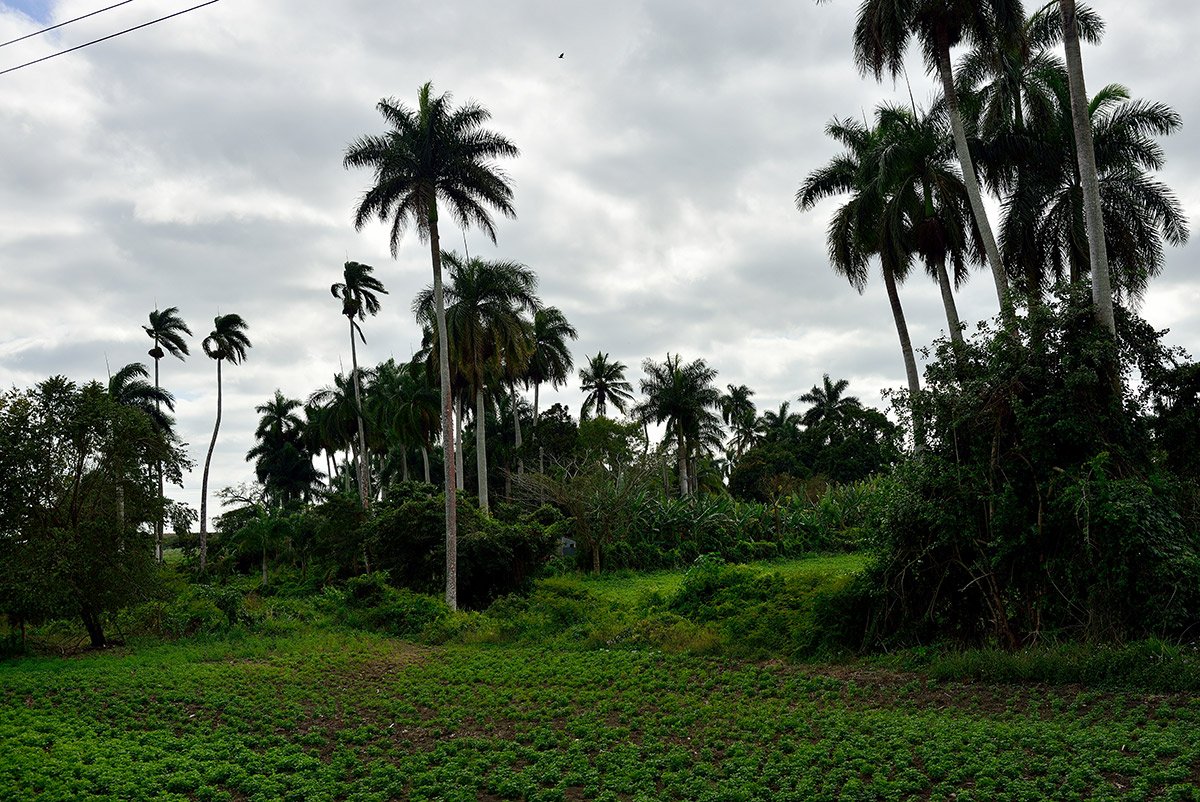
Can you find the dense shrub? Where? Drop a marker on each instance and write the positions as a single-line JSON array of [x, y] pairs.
[[1040, 507], [370, 602]]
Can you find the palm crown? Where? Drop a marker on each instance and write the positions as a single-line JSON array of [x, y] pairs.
[[228, 340], [432, 153], [358, 292], [167, 329], [604, 383], [130, 387]]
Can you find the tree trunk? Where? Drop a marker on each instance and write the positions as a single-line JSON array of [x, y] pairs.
[[681, 445], [536, 386], [425, 462], [973, 193], [404, 464], [1085, 151], [596, 558], [447, 414], [458, 453], [517, 425], [204, 481], [910, 362], [95, 631], [364, 471], [329, 467], [481, 465], [158, 519], [952, 320]]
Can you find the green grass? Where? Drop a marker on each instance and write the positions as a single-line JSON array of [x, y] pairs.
[[326, 715], [629, 589]]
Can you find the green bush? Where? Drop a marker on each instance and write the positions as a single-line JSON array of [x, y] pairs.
[[370, 602]]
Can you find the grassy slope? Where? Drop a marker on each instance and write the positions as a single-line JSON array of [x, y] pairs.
[[336, 715]]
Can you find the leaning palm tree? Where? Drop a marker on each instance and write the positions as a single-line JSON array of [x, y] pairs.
[[881, 36], [433, 153], [358, 294], [603, 383], [866, 226], [167, 329], [226, 342], [484, 303]]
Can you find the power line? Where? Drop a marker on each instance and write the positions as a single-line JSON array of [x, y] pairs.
[[102, 39], [59, 25]]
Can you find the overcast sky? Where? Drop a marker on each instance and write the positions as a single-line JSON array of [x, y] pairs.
[[198, 163]]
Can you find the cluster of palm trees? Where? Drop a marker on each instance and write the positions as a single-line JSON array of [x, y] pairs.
[[130, 386], [1072, 174]]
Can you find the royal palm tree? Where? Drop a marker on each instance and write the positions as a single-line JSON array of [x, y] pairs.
[[484, 304], [780, 426], [167, 329], [339, 418], [435, 153], [550, 358], [684, 398], [359, 293], [860, 229], [829, 408], [603, 383], [1085, 152], [226, 342], [926, 195], [130, 387], [1046, 205], [881, 36], [739, 414]]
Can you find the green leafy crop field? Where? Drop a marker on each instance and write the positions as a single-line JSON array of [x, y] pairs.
[[334, 715]]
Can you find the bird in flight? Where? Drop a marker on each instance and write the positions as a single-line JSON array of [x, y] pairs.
[[560, 55]]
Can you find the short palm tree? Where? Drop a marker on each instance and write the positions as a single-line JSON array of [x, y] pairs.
[[484, 303], [435, 153], [684, 398], [358, 292], [739, 414], [282, 462], [226, 343], [603, 383], [167, 329], [550, 358]]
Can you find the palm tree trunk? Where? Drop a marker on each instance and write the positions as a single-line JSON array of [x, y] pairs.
[[447, 414], [1085, 151], [364, 473], [972, 184], [517, 425], [481, 466], [158, 521], [910, 362], [404, 465], [952, 320], [681, 445], [458, 453], [204, 481], [536, 386], [425, 462], [329, 468]]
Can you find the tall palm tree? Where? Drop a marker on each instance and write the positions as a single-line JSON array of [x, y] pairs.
[[1085, 151], [433, 153], [685, 399], [779, 426], [550, 358], [860, 229], [829, 407], [1045, 207], [167, 329], [603, 383], [881, 36], [359, 293], [226, 342], [926, 194], [484, 303]]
